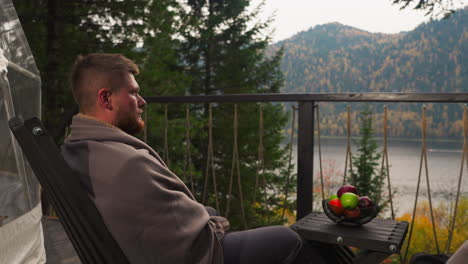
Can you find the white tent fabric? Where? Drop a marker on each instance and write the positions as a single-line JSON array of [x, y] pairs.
[[23, 233], [3, 62], [21, 237]]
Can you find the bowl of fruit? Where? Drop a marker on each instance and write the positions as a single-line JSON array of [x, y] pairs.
[[346, 207]]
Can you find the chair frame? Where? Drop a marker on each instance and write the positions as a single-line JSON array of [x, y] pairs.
[[77, 212]]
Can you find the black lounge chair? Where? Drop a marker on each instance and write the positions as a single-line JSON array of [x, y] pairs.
[[77, 212]]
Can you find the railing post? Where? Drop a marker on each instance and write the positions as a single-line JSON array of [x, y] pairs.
[[305, 158]]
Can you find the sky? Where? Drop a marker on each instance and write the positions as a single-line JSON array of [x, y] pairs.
[[293, 16]]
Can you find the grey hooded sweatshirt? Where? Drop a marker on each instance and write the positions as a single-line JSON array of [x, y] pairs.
[[150, 212]]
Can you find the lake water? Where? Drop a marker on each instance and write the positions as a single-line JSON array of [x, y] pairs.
[[443, 160]]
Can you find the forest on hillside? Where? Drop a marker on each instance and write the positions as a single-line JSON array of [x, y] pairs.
[[335, 58]]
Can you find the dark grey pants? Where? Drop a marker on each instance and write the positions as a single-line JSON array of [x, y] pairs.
[[277, 245], [271, 245]]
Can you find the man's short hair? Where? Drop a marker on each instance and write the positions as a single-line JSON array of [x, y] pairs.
[[95, 71]]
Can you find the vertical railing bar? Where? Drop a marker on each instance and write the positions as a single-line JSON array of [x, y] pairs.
[[305, 158]]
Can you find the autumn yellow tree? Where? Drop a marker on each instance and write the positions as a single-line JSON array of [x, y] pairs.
[[422, 239]]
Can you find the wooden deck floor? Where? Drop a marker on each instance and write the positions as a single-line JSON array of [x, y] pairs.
[[59, 249]]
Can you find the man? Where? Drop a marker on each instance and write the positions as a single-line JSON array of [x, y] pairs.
[[149, 211]]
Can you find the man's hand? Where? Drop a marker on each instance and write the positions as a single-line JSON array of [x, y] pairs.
[[220, 225], [222, 221]]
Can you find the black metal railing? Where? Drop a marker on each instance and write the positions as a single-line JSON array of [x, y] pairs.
[[305, 136]]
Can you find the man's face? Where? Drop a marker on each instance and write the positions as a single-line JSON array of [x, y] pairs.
[[128, 106]]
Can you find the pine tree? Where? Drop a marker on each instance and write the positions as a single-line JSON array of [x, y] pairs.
[[161, 70], [365, 174], [224, 54]]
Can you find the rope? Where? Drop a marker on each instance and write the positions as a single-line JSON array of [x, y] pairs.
[[320, 152], [464, 154], [210, 161], [348, 147], [235, 163], [428, 182], [384, 165], [165, 126], [286, 189], [422, 160], [188, 156], [261, 159], [415, 200]]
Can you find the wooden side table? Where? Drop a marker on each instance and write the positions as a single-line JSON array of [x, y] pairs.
[[378, 239]]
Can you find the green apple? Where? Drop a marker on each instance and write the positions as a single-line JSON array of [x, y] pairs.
[[349, 200], [333, 197]]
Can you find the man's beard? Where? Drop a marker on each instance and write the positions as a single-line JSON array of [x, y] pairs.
[[130, 124]]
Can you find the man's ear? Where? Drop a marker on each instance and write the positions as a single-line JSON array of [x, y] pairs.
[[104, 98]]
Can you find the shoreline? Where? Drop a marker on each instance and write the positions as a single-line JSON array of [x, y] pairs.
[[402, 139]]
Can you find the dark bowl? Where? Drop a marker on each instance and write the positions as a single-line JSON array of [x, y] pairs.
[[366, 215]]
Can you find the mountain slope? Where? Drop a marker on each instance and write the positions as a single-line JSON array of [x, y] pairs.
[[335, 58], [338, 58]]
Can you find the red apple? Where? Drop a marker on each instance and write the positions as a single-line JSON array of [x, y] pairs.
[[352, 214], [335, 207], [365, 202], [346, 188]]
